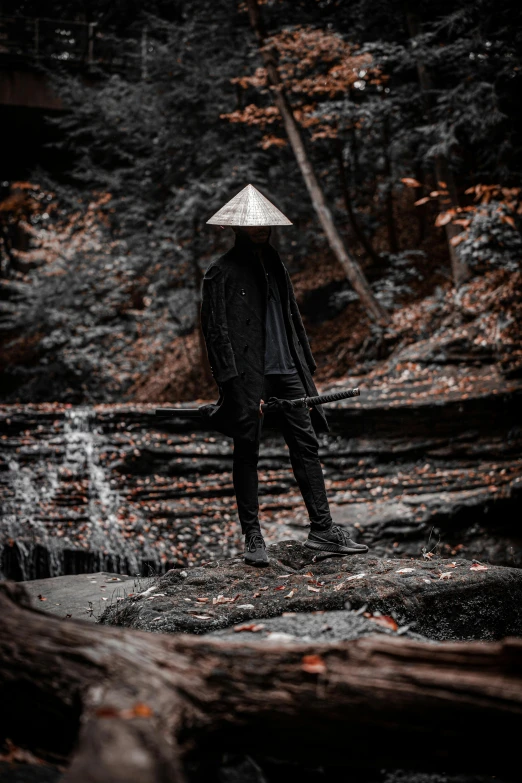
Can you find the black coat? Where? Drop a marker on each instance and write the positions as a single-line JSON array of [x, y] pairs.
[[233, 318]]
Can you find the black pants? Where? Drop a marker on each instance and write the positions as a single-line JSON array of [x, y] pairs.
[[302, 443]]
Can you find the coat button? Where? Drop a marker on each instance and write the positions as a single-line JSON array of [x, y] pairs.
[[242, 292]]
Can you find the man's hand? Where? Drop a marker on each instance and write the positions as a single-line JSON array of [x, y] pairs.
[[260, 411]]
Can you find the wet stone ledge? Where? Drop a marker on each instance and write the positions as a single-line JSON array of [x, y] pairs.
[[112, 488]]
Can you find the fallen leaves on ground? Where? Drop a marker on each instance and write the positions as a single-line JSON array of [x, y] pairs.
[[313, 664], [222, 600], [252, 627], [139, 710], [382, 619], [478, 567]]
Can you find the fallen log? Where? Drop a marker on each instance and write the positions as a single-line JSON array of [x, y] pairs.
[[132, 707]]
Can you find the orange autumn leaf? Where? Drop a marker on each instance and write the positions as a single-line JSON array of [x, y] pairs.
[[444, 217], [252, 627], [385, 620], [421, 201], [411, 182], [508, 219], [107, 712], [454, 241], [313, 664], [272, 141], [141, 710]]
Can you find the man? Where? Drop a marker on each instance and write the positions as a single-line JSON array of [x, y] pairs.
[[258, 348]]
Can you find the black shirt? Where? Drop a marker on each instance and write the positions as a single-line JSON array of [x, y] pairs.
[[278, 357]]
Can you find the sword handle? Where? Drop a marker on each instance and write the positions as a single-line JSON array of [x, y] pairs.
[[321, 399]]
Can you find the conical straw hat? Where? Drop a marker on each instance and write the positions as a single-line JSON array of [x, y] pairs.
[[249, 208]]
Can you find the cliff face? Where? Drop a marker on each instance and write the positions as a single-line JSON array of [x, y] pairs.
[[409, 467]]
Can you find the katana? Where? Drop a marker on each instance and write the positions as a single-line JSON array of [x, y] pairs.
[[273, 404]]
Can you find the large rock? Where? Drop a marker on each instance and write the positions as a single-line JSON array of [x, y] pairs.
[[444, 599], [334, 626]]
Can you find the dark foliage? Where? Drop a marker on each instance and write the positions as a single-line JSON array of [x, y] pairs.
[[153, 149]]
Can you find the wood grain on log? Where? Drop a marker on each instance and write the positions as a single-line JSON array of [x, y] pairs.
[[145, 701]]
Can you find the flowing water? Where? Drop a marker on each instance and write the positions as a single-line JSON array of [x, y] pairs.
[[24, 530], [82, 448], [62, 484]]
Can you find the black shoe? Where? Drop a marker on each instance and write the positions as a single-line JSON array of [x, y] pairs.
[[335, 540], [255, 550]]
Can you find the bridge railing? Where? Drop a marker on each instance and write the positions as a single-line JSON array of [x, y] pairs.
[[43, 41]]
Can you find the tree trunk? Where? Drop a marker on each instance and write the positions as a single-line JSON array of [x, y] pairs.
[[393, 242], [353, 271], [204, 362], [446, 182], [129, 707], [421, 210], [443, 174], [357, 230]]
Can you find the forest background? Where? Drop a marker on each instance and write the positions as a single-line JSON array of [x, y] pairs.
[[410, 117]]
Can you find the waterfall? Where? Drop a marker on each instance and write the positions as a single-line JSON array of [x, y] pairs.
[[22, 525], [82, 458], [61, 514]]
